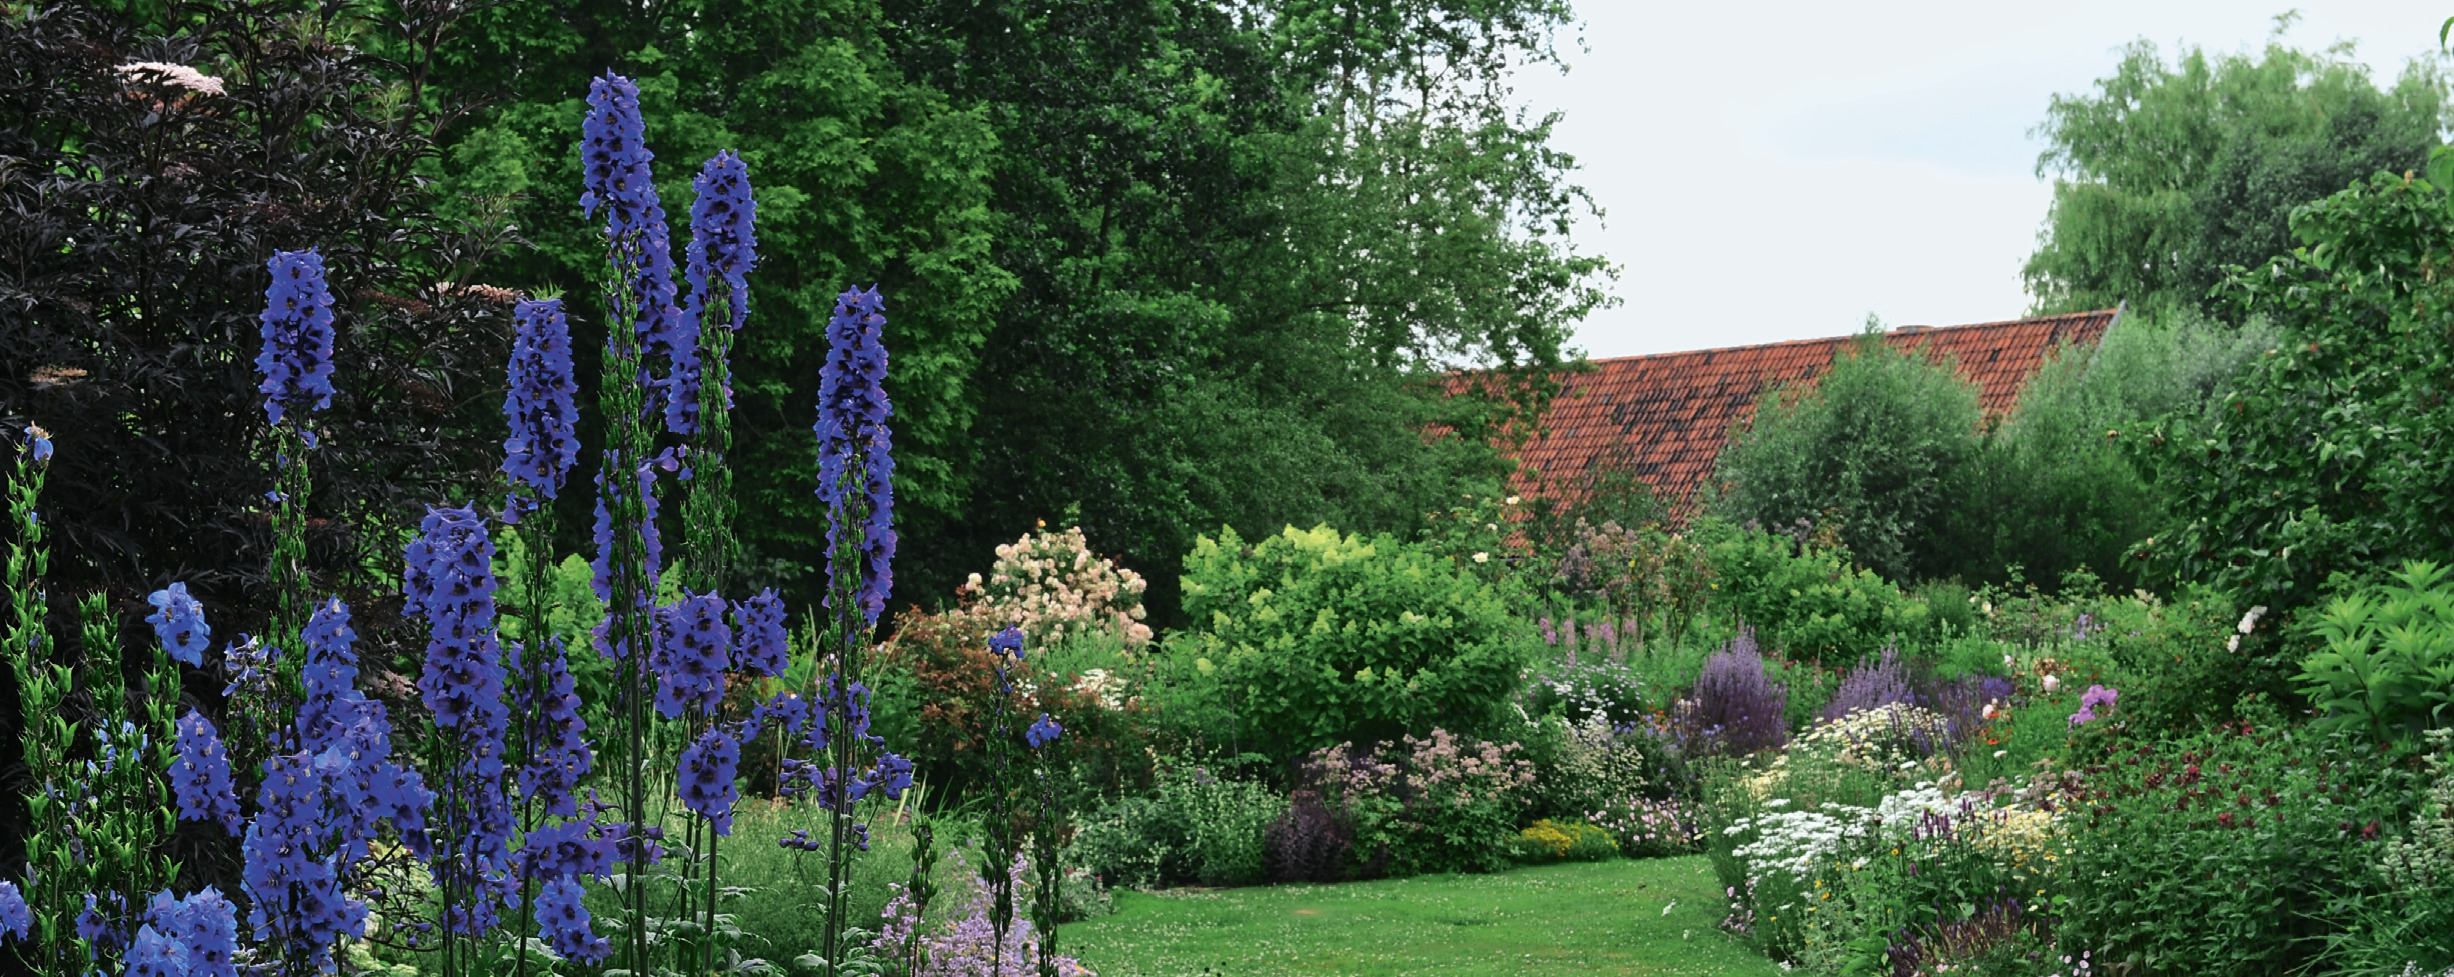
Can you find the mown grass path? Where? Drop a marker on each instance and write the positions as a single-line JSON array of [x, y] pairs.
[[1621, 917]]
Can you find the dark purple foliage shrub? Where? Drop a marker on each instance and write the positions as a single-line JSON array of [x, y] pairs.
[[1737, 707], [1308, 843], [1869, 686]]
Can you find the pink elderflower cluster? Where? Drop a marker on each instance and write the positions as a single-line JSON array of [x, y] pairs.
[[964, 945], [1052, 586], [170, 75], [1435, 804]]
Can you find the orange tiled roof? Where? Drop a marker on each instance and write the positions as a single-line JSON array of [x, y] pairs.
[[1667, 415]]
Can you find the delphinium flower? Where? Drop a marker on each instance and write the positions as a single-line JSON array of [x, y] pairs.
[[542, 444], [759, 635], [558, 753], [450, 579], [297, 903], [1043, 732], [329, 675], [709, 766], [350, 737], [1005, 650], [200, 777], [601, 567], [155, 955], [615, 166], [205, 924], [296, 361], [692, 652], [564, 923], [723, 249], [178, 621], [856, 464], [16, 920]]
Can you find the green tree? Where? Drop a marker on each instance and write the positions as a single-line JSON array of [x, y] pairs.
[[2330, 454], [2170, 173], [1877, 442]]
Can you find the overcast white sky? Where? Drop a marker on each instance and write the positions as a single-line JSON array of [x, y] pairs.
[[1779, 169]]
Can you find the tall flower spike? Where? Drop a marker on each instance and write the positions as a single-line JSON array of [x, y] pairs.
[[16, 920], [615, 160], [450, 579], [557, 736], [856, 464], [178, 620], [206, 924], [759, 634], [200, 776], [723, 249], [691, 655], [709, 767], [541, 448], [296, 362]]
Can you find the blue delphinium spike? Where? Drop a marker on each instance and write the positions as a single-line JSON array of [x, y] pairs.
[[1043, 732], [691, 654], [759, 635], [558, 743], [450, 580], [723, 249], [856, 465], [296, 361], [615, 164], [178, 621], [204, 924], [541, 408], [16, 919], [200, 776], [709, 767]]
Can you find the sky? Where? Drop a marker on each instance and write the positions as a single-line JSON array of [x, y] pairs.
[[1780, 169]]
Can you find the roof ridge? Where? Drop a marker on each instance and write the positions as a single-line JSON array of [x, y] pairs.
[[1922, 331]]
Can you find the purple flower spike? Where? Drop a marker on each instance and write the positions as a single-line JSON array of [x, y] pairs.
[[856, 464], [709, 768], [691, 654], [297, 359], [178, 620], [200, 777], [615, 162], [450, 580], [541, 448], [758, 625], [205, 924], [723, 249], [560, 756]]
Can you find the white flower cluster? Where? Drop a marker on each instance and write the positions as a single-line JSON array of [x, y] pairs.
[[1800, 843], [1051, 586], [1884, 736], [173, 75]]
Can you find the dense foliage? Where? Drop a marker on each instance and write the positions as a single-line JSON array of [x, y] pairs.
[[2172, 173], [1308, 638]]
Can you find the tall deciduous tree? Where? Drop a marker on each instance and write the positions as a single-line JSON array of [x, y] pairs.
[[2170, 173]]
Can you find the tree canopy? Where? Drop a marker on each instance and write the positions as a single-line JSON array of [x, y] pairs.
[[2172, 172]]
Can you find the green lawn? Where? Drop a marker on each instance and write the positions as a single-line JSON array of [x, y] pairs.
[[1619, 917]]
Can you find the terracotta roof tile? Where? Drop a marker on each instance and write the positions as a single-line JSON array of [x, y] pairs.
[[1668, 415]]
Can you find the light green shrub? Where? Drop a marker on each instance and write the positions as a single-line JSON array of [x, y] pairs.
[[2388, 665]]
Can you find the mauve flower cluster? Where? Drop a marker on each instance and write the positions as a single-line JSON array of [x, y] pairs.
[[296, 361], [450, 579], [540, 406], [965, 945], [856, 459], [1050, 585], [2096, 695], [169, 74]]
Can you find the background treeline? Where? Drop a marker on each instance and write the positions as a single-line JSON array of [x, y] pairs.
[[1152, 266]]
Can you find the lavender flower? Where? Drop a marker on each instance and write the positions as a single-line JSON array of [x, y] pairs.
[[16, 920], [723, 249], [1043, 732], [691, 654], [1738, 707], [758, 626], [709, 767], [855, 448], [615, 160], [542, 446], [178, 621], [297, 359], [1882, 683], [558, 744], [200, 777], [205, 924]]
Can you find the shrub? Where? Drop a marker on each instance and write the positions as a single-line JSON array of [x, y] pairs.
[[1224, 822], [2388, 666], [1573, 841], [1803, 596], [2413, 922], [1736, 708], [1592, 765], [1604, 691], [1307, 638], [1438, 804], [1646, 828], [1308, 843], [1137, 842], [2232, 852], [1052, 587]]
